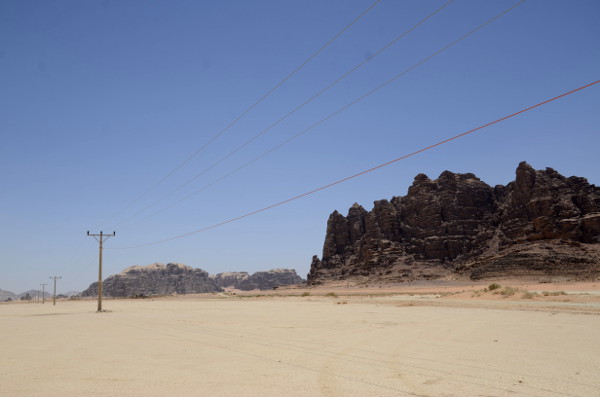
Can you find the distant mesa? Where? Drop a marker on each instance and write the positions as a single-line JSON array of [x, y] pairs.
[[6, 296], [176, 278], [259, 280], [155, 279], [34, 293], [540, 225]]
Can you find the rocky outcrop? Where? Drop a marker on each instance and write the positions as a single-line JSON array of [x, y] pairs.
[[32, 293], [155, 279], [230, 279], [259, 280], [7, 295], [175, 278], [542, 223]]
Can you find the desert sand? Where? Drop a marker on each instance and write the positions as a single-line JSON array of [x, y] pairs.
[[418, 340]]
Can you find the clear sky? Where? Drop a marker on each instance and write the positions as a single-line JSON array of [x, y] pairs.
[[99, 100]]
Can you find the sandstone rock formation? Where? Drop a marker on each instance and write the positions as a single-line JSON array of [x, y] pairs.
[[160, 279], [155, 279], [259, 280], [541, 224]]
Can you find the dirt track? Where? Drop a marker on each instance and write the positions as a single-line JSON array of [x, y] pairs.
[[360, 345]]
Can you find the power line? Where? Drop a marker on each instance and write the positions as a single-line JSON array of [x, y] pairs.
[[364, 172], [43, 292], [101, 238], [248, 110], [54, 294], [291, 112], [343, 108]]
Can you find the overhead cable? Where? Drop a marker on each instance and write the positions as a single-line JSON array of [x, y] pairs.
[[366, 171], [245, 112], [288, 114], [321, 121]]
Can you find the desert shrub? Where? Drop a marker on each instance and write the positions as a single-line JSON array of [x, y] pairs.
[[494, 286], [332, 294], [305, 293], [508, 291], [529, 295], [554, 293], [445, 293]]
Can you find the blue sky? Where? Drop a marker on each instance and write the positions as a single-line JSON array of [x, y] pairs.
[[102, 99]]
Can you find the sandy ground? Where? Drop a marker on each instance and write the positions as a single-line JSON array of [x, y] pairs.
[[418, 340]]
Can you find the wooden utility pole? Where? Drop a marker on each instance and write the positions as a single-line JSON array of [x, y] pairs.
[[43, 293], [54, 295], [100, 238]]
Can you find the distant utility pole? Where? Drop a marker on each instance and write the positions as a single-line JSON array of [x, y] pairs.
[[43, 293], [100, 238], [54, 295]]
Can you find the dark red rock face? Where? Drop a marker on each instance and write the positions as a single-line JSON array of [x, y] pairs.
[[457, 223]]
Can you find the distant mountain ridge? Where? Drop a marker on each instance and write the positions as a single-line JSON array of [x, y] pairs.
[[177, 278], [33, 293], [541, 225], [260, 280], [5, 295]]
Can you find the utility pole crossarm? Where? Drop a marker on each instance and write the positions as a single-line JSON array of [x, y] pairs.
[[101, 234]]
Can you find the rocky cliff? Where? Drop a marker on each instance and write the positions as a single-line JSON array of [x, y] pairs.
[[542, 224], [259, 280], [160, 279], [155, 279]]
